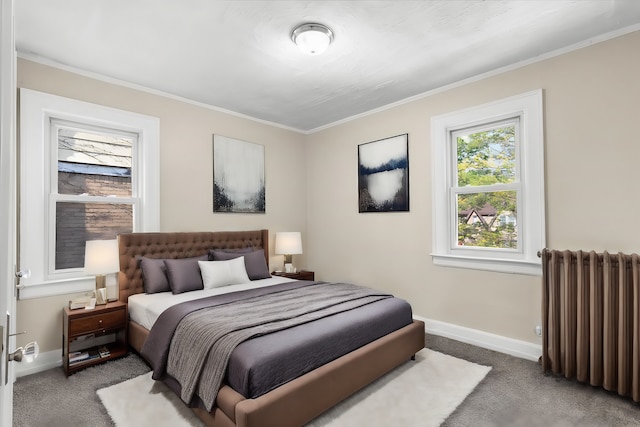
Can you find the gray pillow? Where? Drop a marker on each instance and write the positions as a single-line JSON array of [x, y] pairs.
[[254, 262], [184, 274], [230, 251], [154, 275]]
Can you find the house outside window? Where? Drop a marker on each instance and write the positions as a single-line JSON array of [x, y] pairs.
[[87, 172], [92, 190], [488, 194]]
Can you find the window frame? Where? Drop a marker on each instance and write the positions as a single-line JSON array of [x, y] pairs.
[[530, 204], [37, 166]]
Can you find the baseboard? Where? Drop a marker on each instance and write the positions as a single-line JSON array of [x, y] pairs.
[[517, 348], [513, 347], [44, 361]]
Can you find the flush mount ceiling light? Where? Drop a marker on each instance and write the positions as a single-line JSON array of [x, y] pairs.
[[312, 39]]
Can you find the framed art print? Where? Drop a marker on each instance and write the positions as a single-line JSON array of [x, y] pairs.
[[238, 176], [383, 175]]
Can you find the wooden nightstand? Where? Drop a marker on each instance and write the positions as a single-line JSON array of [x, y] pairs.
[[88, 330], [300, 275]]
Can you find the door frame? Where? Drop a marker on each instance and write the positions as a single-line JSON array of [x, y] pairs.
[[8, 192]]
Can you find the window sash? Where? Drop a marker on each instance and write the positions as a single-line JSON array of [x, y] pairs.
[[72, 231], [485, 127], [455, 246]]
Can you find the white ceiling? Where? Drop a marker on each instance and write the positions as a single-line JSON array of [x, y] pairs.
[[238, 56]]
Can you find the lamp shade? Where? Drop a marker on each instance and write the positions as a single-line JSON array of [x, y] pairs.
[[101, 257], [288, 242]]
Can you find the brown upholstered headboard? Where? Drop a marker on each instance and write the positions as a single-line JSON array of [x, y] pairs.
[[177, 245]]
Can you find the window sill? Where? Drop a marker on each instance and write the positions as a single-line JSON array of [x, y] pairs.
[[57, 287], [528, 267]]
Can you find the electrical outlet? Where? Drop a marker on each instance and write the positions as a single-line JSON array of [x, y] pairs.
[[538, 330]]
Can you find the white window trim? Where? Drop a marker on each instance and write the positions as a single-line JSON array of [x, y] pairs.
[[531, 204], [36, 110]]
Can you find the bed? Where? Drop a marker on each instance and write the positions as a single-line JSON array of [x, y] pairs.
[[296, 401]]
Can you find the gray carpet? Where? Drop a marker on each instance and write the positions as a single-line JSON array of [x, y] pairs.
[[51, 399], [515, 393]]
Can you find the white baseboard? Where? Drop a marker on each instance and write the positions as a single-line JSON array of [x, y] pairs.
[[53, 359], [517, 348], [44, 361], [513, 347]]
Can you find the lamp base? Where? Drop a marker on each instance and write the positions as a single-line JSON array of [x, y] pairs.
[[101, 290]]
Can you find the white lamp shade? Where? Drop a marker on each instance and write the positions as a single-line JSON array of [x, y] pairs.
[[101, 257], [288, 242]]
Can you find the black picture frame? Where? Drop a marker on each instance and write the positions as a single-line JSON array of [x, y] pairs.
[[383, 175]]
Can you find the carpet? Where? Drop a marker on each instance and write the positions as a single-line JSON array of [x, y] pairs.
[[420, 393]]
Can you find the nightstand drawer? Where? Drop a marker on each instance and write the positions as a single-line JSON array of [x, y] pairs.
[[99, 322]]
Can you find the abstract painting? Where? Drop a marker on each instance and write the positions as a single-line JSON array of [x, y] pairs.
[[383, 175], [238, 176]]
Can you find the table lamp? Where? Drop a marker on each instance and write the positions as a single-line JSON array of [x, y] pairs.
[[288, 243], [101, 258]]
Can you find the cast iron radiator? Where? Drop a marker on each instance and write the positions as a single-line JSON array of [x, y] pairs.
[[591, 318]]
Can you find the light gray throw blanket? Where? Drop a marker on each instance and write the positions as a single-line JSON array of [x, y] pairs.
[[204, 340]]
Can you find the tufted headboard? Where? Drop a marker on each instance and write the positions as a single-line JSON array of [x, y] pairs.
[[132, 246]]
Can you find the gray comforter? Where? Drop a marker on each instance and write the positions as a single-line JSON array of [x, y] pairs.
[[198, 352]]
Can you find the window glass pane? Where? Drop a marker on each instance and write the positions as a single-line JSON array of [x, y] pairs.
[[488, 220], [94, 163], [487, 157], [78, 222]]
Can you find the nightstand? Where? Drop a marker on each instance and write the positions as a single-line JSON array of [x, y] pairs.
[[86, 332], [300, 275]]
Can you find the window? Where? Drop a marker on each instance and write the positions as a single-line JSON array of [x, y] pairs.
[[87, 172], [488, 177]]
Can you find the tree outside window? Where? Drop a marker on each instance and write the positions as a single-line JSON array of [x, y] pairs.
[[486, 161]]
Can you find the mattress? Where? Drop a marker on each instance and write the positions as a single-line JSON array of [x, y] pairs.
[[144, 309]]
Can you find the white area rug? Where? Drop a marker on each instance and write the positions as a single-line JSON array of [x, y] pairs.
[[420, 393]]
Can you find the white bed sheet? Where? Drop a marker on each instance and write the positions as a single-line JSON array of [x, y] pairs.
[[144, 309]]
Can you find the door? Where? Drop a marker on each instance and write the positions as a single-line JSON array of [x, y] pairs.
[[8, 177]]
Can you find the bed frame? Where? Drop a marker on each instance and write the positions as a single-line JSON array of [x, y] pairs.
[[292, 404]]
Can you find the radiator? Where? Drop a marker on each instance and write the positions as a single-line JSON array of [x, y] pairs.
[[591, 318]]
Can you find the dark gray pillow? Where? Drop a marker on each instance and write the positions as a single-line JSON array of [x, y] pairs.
[[230, 251], [184, 274], [254, 262], [154, 275]]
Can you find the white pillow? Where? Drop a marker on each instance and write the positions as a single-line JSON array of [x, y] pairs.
[[223, 273]]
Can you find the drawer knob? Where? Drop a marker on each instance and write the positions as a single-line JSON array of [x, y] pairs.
[[100, 321]]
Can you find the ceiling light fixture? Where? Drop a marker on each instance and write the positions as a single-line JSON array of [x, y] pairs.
[[312, 39]]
